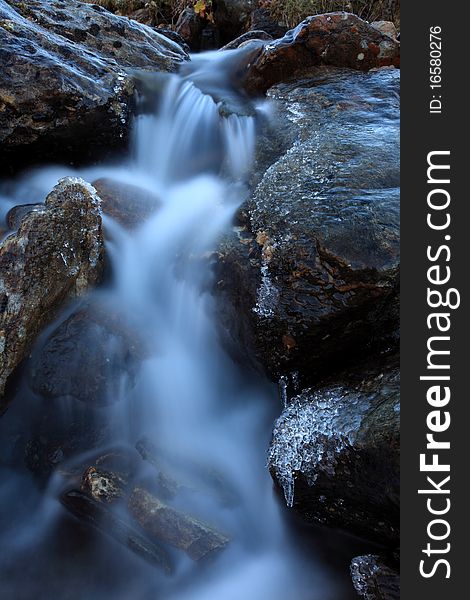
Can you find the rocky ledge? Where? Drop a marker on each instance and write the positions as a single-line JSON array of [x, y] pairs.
[[66, 90], [309, 276], [56, 254]]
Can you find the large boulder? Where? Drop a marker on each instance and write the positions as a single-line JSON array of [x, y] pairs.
[[308, 278], [335, 452], [339, 39], [56, 254], [65, 87]]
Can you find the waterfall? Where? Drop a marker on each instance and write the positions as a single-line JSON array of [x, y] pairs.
[[207, 414]]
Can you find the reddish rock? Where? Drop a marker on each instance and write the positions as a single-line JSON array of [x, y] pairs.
[[339, 39]]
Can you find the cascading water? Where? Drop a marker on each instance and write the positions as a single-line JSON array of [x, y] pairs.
[[203, 411]]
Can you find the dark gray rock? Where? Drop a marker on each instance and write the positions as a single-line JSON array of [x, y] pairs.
[[374, 578], [16, 214], [56, 254], [91, 357], [335, 452], [99, 516], [65, 90], [308, 279]]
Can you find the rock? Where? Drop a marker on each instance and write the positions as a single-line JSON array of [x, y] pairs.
[[232, 17], [175, 37], [335, 452], [15, 215], [308, 280], [56, 254], [102, 486], [261, 19], [338, 39], [127, 204], [189, 26], [65, 89], [178, 474], [92, 357], [168, 525], [60, 435], [386, 27], [374, 578], [104, 520], [246, 37]]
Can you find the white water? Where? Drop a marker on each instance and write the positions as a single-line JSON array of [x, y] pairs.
[[190, 398]]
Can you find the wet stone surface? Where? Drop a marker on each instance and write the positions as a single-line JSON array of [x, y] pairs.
[[335, 452], [311, 269]]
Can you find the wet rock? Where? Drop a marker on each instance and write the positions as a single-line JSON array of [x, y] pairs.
[[338, 39], [386, 27], [104, 520], [94, 341], [16, 214], [56, 254], [168, 525], [189, 26], [232, 17], [175, 37], [335, 452], [102, 486], [127, 204], [64, 87], [308, 280], [246, 37], [181, 474], [59, 437], [374, 578]]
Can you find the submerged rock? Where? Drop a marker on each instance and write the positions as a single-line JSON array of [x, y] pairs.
[[374, 579], [56, 254], [308, 280], [178, 529], [106, 521], [338, 39], [92, 356], [16, 214], [65, 91], [127, 204], [335, 452]]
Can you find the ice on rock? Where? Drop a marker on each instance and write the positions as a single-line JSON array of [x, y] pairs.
[[312, 431], [268, 295]]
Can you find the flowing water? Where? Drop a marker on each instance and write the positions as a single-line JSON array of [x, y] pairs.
[[194, 152]]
